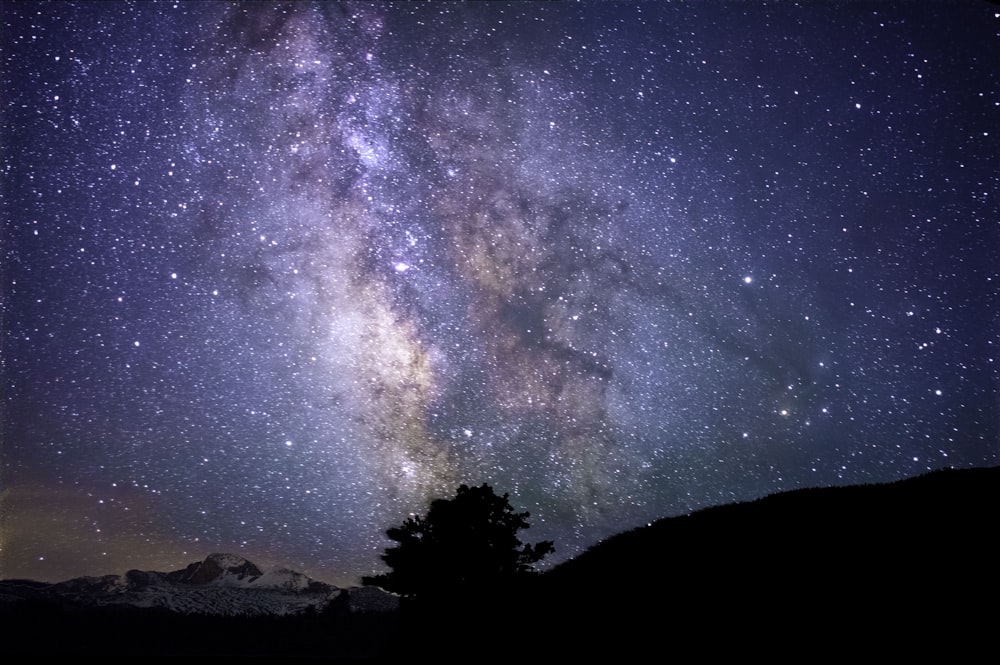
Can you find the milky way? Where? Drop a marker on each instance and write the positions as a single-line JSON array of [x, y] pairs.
[[277, 275]]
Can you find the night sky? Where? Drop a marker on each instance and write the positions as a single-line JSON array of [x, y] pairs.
[[275, 276]]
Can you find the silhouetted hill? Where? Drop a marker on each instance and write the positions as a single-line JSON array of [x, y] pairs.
[[839, 564], [946, 515]]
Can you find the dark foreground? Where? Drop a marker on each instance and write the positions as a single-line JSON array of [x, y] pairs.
[[909, 567]]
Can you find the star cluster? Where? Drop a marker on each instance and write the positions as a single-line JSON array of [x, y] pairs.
[[276, 275]]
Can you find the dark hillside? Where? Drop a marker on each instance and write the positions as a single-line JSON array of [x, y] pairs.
[[831, 563], [941, 511]]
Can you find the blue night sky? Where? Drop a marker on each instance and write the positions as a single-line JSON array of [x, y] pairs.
[[274, 276]]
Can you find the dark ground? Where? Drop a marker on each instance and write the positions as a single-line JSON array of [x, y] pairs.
[[909, 567]]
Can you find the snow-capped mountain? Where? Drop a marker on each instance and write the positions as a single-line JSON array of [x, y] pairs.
[[222, 584]]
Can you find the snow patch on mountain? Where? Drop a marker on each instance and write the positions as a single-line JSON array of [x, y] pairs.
[[283, 578]]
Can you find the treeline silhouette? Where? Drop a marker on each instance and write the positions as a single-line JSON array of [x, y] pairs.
[[45, 627], [906, 566]]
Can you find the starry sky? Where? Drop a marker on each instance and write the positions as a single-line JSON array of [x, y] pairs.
[[274, 276]]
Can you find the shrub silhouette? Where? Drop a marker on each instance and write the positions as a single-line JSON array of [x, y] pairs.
[[466, 543]]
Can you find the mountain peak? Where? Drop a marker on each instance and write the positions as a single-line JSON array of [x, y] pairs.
[[218, 568], [228, 561]]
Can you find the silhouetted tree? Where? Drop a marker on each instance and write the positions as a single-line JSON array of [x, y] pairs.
[[468, 542]]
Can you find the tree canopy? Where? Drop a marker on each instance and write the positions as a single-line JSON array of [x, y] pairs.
[[466, 542]]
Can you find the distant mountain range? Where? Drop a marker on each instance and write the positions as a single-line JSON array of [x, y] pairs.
[[222, 584]]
